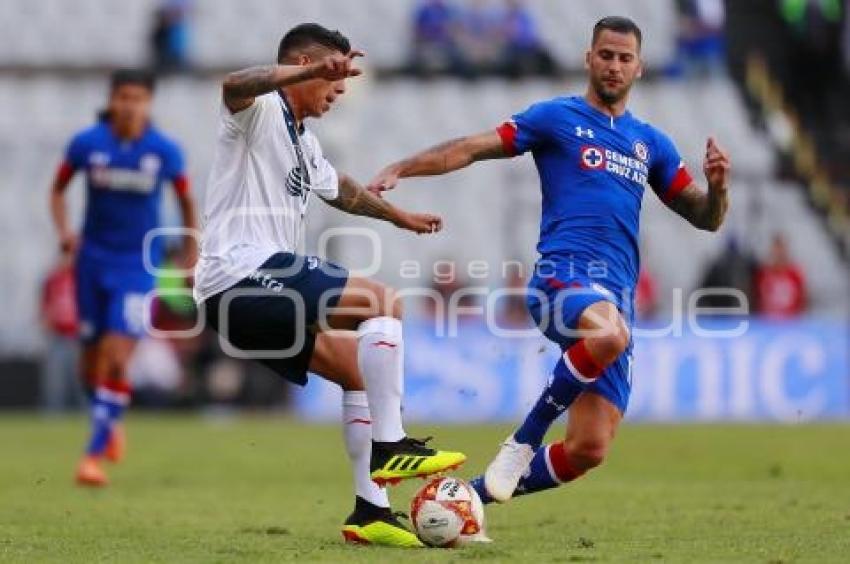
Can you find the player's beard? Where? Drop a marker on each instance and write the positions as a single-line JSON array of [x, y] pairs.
[[610, 96]]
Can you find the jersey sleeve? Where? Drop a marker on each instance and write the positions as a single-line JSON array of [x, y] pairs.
[[527, 130], [323, 177], [252, 119], [74, 159], [668, 175], [174, 169]]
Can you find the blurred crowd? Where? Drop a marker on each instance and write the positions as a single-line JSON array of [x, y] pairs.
[[477, 38]]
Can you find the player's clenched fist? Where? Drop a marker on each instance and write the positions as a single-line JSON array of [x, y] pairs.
[[716, 166], [337, 66]]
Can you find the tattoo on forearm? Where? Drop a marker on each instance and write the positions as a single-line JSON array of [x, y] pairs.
[[250, 82], [704, 210], [356, 200]]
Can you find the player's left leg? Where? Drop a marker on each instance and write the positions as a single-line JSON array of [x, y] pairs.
[[375, 312], [110, 397], [372, 521], [593, 423]]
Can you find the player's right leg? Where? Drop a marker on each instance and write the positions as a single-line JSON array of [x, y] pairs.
[[372, 521], [602, 338], [373, 310]]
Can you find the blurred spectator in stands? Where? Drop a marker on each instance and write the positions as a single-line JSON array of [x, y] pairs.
[[815, 56], [156, 373], [175, 309], [780, 285], [482, 38], [524, 51], [170, 36], [60, 386], [512, 309], [646, 295], [701, 38], [447, 282], [435, 49], [733, 269]]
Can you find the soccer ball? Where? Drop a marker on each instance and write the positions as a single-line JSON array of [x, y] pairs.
[[447, 512]]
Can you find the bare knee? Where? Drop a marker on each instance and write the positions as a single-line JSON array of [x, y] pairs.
[[388, 304], [607, 347], [587, 454]]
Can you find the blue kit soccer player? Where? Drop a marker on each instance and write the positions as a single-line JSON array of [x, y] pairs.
[[595, 160], [126, 162]]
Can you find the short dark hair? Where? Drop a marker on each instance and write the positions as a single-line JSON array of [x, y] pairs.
[[138, 77], [619, 24], [308, 34]]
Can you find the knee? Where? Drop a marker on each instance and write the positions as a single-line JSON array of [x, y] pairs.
[[388, 303], [587, 454], [612, 344]]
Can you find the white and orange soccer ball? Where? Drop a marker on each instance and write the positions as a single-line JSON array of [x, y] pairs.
[[447, 512]]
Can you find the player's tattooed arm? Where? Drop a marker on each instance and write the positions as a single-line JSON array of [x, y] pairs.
[[707, 209], [441, 159], [241, 87], [704, 210], [356, 200]]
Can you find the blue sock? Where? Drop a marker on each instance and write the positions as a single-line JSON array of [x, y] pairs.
[[477, 484], [106, 408], [562, 390], [538, 477]]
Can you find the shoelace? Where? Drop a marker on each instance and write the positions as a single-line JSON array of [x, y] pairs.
[[420, 442]]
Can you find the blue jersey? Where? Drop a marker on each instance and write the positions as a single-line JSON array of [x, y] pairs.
[[124, 188], [593, 169]]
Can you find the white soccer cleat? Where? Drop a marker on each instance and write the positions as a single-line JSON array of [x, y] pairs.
[[503, 474]]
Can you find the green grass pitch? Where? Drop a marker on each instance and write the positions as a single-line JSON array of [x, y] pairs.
[[268, 489]]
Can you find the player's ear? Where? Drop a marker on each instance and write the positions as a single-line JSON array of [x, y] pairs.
[[639, 69], [587, 55]]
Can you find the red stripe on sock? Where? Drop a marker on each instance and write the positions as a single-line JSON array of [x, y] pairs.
[[561, 465], [117, 386], [363, 421], [582, 361]]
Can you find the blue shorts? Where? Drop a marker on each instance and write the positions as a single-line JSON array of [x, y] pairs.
[[556, 306], [268, 316], [111, 296]]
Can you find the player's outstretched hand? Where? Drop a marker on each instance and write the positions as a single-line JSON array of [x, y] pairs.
[[716, 166], [385, 180], [338, 66], [419, 222]]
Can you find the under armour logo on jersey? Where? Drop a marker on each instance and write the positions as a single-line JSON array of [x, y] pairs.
[[296, 184], [584, 132]]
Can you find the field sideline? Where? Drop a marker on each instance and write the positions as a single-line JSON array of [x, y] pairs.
[[269, 489]]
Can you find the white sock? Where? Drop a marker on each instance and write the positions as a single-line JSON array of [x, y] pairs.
[[357, 430], [380, 356]]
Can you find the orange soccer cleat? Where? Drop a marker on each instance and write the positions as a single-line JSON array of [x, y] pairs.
[[89, 473], [117, 445]]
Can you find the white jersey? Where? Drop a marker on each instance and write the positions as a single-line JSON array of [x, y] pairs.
[[256, 195]]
